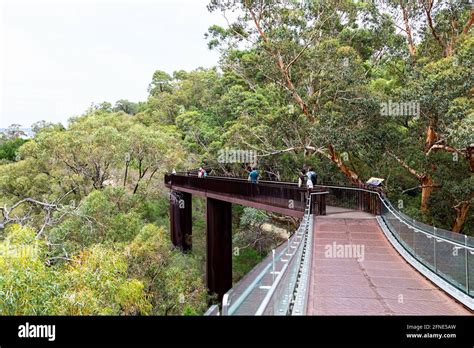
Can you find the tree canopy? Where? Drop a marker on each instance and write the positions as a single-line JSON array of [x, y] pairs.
[[354, 89]]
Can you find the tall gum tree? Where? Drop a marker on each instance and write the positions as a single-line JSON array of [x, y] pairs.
[[287, 41]]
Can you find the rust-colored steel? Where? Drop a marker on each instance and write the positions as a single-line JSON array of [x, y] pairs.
[[219, 246], [180, 211], [222, 192], [318, 204], [284, 198], [280, 197]]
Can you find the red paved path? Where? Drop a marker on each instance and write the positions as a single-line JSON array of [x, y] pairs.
[[382, 283]]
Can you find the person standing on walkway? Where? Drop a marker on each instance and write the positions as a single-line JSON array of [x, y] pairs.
[[254, 176], [201, 172], [312, 175], [302, 178], [309, 183]]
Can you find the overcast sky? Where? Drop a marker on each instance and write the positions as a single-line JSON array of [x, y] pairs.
[[59, 56]]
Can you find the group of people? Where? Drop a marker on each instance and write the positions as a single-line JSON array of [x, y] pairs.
[[202, 173], [308, 178]]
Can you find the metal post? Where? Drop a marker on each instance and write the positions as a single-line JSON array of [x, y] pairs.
[[225, 304], [414, 239], [434, 248], [273, 264], [399, 229], [180, 211], [467, 264]]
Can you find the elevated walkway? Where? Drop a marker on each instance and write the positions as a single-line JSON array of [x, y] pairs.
[[333, 212], [363, 256], [356, 271]]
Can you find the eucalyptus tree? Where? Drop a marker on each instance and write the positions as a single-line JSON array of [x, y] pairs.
[[318, 55]]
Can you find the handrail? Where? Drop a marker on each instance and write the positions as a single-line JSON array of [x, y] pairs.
[[397, 214], [230, 307], [237, 179], [445, 278], [383, 199], [276, 283]]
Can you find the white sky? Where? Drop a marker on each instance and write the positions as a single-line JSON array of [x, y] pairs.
[[57, 57]]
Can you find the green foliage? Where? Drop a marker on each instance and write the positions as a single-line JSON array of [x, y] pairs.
[[9, 148], [174, 279], [244, 262], [95, 283], [252, 217], [126, 106], [105, 248]]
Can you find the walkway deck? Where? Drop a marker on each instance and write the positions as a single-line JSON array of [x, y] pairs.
[[345, 213], [381, 282]]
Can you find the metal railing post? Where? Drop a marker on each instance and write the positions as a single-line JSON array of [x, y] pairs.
[[273, 264], [225, 304], [467, 264], [434, 250], [414, 241]]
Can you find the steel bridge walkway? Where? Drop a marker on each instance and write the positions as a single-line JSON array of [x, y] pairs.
[[379, 283]]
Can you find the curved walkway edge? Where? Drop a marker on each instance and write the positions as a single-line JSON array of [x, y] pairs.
[[357, 271]]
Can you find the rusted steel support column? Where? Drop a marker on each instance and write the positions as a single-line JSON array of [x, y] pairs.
[[318, 204], [366, 201], [322, 204], [181, 219], [378, 205], [219, 246]]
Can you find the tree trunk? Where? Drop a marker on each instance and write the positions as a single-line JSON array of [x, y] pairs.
[[431, 135], [411, 43], [427, 185], [470, 157], [126, 175], [352, 176], [462, 210]]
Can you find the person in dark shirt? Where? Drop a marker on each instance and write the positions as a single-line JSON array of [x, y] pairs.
[[302, 178]]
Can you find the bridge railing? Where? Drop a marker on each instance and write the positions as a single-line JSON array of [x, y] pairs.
[[447, 255], [269, 289], [284, 195], [362, 199]]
